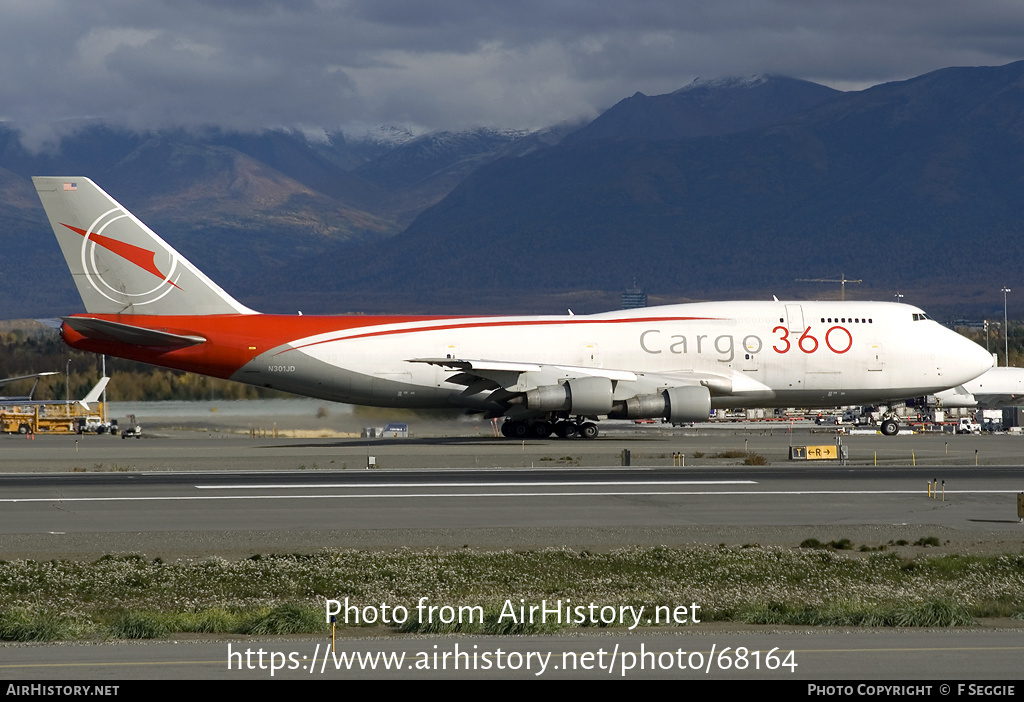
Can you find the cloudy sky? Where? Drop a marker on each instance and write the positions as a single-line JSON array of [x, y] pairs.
[[448, 64]]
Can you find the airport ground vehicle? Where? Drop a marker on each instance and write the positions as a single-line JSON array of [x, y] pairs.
[[134, 430], [546, 374], [43, 418], [94, 424], [54, 416], [966, 425], [36, 419]]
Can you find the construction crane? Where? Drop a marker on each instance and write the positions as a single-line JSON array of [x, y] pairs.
[[842, 280]]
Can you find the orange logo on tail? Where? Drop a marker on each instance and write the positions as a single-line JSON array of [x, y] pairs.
[[143, 258]]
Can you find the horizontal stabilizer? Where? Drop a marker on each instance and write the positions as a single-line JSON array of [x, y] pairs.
[[103, 330]]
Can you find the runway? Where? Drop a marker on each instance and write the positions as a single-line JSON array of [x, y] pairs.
[[188, 494], [781, 656], [194, 495]]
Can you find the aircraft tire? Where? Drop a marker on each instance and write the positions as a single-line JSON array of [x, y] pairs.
[[519, 430], [566, 430], [890, 427], [589, 430], [541, 430], [506, 430]]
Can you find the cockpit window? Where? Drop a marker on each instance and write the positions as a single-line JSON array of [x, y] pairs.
[[918, 316]]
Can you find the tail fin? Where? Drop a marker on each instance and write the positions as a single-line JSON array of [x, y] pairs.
[[95, 393], [119, 264]]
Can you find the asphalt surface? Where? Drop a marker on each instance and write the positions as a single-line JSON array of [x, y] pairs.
[[779, 656], [189, 494], [193, 494]]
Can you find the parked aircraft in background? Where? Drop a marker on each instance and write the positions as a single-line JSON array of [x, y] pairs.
[[26, 400], [146, 302], [8, 399], [996, 388]]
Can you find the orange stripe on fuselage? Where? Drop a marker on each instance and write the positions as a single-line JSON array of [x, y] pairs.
[[235, 339], [503, 323], [230, 338]]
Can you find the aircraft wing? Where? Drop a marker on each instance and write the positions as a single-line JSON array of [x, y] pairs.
[[508, 378], [512, 378], [4, 381], [20, 398], [479, 367]]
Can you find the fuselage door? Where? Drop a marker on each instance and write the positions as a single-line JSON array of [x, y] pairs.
[[750, 363], [795, 318], [876, 356]]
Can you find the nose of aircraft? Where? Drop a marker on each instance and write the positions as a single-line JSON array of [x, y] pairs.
[[966, 359]]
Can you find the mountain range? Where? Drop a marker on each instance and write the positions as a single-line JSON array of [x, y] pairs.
[[722, 189]]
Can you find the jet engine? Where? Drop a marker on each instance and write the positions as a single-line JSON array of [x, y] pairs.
[[690, 403], [583, 396]]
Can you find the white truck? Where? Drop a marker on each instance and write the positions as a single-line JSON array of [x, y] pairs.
[[967, 425], [94, 424]]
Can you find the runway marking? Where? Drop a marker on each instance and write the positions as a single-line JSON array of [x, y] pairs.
[[288, 486], [885, 650], [422, 495]]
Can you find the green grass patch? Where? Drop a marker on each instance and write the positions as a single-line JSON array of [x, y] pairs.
[[818, 584], [749, 459], [141, 625], [938, 613], [731, 453], [837, 544], [45, 625], [288, 618], [851, 613]]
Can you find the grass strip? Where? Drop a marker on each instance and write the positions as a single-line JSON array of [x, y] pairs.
[[133, 597]]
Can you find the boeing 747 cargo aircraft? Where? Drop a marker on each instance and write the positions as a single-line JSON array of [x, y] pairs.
[[545, 374]]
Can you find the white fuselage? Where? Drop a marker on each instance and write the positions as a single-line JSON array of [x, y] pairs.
[[146, 302], [760, 353]]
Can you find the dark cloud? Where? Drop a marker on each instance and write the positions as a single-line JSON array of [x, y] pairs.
[[452, 63]]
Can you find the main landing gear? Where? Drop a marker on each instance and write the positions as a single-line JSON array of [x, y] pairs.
[[542, 429]]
